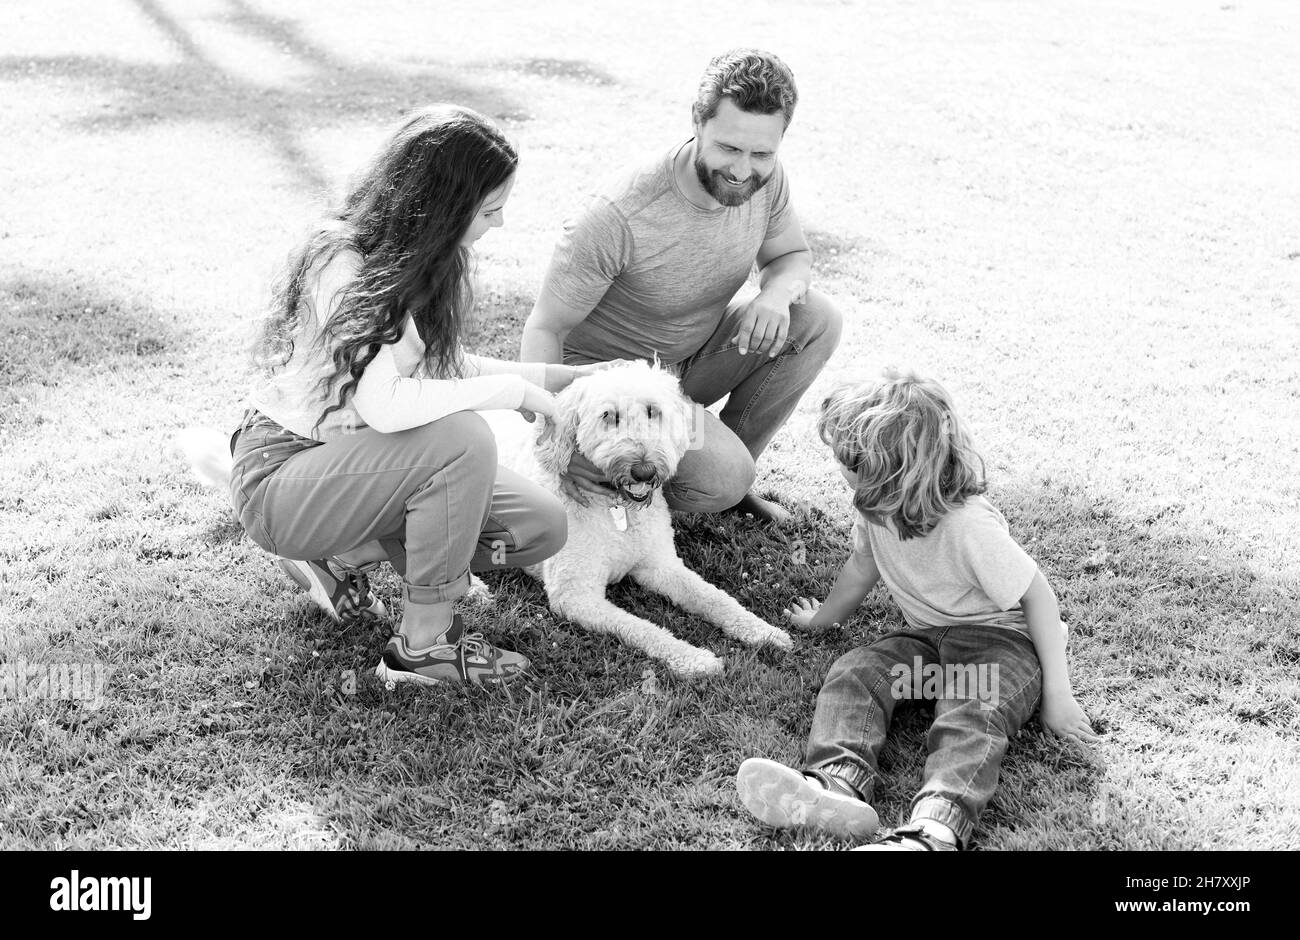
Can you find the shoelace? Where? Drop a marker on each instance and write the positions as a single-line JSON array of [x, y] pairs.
[[914, 834], [356, 579], [476, 643], [360, 583]]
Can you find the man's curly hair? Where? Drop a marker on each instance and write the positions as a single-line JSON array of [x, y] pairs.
[[755, 81]]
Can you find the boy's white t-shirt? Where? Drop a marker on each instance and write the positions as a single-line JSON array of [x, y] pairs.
[[966, 570]]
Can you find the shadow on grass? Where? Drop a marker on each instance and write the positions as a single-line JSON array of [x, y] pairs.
[[46, 325], [573, 70], [198, 88], [226, 532]]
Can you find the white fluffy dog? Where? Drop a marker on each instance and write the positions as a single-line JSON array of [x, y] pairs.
[[632, 422]]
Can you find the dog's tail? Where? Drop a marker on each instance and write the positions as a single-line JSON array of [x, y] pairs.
[[208, 455]]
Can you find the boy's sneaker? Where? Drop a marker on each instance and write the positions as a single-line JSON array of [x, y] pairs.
[[785, 798], [462, 657], [908, 839], [341, 591]]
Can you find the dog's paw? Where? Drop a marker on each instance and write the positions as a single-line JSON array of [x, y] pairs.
[[698, 665], [755, 632], [479, 591], [775, 636]]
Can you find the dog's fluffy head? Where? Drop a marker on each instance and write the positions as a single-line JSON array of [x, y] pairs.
[[631, 421]]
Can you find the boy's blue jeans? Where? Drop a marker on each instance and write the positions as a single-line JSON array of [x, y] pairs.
[[976, 712]]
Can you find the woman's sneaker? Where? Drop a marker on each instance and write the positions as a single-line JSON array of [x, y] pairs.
[[461, 657], [341, 591], [783, 797]]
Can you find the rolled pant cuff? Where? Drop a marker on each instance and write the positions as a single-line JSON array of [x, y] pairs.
[[859, 778], [438, 593], [945, 811]]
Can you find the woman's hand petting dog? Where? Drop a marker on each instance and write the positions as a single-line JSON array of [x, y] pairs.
[[537, 401], [559, 377]]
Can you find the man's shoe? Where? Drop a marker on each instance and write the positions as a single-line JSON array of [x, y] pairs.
[[908, 839], [783, 797], [462, 657], [341, 591]]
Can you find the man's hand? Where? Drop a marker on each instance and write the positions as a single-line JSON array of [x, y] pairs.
[[1062, 716], [801, 612], [765, 322], [583, 480]]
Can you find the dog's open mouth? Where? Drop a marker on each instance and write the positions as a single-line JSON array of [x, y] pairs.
[[637, 492]]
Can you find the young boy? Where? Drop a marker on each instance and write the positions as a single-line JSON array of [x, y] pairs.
[[984, 638]]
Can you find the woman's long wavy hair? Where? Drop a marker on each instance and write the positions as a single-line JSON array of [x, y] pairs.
[[913, 456], [405, 215]]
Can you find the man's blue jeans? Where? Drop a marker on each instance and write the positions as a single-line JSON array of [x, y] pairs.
[[976, 712], [762, 393]]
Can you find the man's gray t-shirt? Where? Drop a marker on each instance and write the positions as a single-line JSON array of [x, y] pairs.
[[966, 570], [655, 270]]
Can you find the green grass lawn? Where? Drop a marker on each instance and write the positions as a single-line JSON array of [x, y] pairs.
[[1081, 218]]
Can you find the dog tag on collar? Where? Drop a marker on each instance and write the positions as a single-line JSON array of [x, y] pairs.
[[619, 515]]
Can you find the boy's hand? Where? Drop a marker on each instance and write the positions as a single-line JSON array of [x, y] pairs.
[[801, 612], [1062, 716]]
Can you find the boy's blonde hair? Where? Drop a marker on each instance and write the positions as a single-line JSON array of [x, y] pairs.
[[913, 456]]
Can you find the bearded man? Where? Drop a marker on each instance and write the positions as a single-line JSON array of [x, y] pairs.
[[657, 265]]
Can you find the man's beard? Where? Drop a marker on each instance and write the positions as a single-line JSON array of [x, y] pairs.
[[715, 185]]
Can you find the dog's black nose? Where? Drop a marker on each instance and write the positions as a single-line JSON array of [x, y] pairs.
[[643, 472]]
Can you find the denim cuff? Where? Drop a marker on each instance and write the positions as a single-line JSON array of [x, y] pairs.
[[859, 778], [943, 810], [437, 593]]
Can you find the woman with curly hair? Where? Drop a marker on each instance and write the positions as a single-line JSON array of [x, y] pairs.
[[362, 444]]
